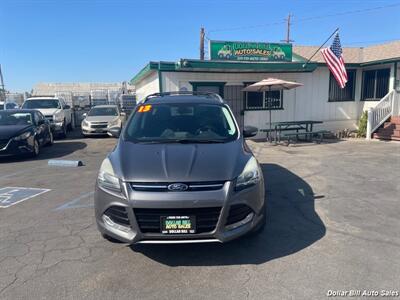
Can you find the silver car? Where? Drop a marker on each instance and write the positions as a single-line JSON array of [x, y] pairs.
[[100, 118], [180, 173]]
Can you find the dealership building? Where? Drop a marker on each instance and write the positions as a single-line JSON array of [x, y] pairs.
[[373, 72]]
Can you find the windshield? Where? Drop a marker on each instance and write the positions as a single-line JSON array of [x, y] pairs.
[[103, 111], [15, 118], [181, 123], [42, 103]]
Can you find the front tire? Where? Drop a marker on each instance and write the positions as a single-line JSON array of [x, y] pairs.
[[261, 225], [36, 148], [51, 139], [63, 133], [70, 127]]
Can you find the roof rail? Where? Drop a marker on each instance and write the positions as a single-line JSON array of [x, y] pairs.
[[183, 93]]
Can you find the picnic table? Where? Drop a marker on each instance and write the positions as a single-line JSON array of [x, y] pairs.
[[278, 127]]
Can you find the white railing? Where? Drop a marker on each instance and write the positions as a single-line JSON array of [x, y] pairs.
[[381, 112]]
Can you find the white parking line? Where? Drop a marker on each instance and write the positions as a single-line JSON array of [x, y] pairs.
[[72, 203]]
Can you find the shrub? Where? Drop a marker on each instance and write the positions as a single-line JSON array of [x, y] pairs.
[[362, 125]]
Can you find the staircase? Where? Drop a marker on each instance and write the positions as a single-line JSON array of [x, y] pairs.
[[389, 130], [388, 108]]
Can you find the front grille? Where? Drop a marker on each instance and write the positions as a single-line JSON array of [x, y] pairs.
[[118, 214], [237, 213], [98, 126], [149, 219], [3, 143], [163, 186]]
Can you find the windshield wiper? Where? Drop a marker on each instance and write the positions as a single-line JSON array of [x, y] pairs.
[[204, 141], [182, 141]]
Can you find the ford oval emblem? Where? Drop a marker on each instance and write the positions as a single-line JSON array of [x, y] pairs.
[[177, 187]]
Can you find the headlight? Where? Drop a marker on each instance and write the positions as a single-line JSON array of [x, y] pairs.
[[113, 123], [23, 136], [58, 117], [106, 178], [249, 176], [85, 123]]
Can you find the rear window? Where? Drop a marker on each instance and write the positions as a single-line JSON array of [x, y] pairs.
[[180, 123], [103, 111], [41, 104]]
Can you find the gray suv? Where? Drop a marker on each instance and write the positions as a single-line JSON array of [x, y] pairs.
[[180, 173]]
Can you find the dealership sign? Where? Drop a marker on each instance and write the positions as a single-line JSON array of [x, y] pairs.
[[250, 51]]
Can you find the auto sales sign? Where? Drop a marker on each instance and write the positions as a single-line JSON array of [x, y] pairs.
[[250, 51]]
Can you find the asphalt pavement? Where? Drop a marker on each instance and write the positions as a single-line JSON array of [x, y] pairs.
[[333, 224]]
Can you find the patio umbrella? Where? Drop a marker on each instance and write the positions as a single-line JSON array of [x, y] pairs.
[[271, 84]]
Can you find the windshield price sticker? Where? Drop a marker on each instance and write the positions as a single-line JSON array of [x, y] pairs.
[[144, 108]]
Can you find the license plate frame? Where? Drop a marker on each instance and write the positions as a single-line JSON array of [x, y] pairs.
[[178, 224]]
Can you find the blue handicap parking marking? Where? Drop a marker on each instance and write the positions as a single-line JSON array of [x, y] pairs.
[[13, 195]]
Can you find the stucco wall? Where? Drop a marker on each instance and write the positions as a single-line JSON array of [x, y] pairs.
[[309, 102], [147, 86]]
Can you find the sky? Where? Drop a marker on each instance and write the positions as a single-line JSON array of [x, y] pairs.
[[111, 40]]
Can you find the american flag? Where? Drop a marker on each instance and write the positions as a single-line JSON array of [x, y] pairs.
[[334, 59]]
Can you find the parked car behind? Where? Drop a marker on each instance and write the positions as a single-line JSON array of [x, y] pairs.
[[23, 131], [100, 118], [8, 105], [56, 111], [180, 173]]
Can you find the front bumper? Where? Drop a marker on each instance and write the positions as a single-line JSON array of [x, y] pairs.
[[57, 127], [17, 147], [224, 198], [88, 130]]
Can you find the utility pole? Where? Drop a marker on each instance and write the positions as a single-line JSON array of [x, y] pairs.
[[202, 43], [288, 24], [2, 89]]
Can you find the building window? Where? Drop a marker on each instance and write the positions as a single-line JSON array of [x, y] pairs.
[[336, 94], [254, 100], [209, 87], [273, 100], [375, 84], [269, 100]]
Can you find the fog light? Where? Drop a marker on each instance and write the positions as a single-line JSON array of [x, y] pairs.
[[107, 220], [246, 220]]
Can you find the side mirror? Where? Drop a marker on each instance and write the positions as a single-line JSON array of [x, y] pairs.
[[249, 131], [114, 131], [84, 115]]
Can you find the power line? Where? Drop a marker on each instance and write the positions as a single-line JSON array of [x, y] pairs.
[[358, 42], [375, 41], [247, 27], [357, 11]]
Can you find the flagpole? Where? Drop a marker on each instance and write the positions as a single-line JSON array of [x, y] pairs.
[[336, 30]]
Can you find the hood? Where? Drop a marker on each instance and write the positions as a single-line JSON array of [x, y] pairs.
[[48, 111], [101, 118], [178, 162], [9, 131]]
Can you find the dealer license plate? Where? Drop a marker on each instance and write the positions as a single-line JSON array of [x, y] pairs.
[[178, 224]]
